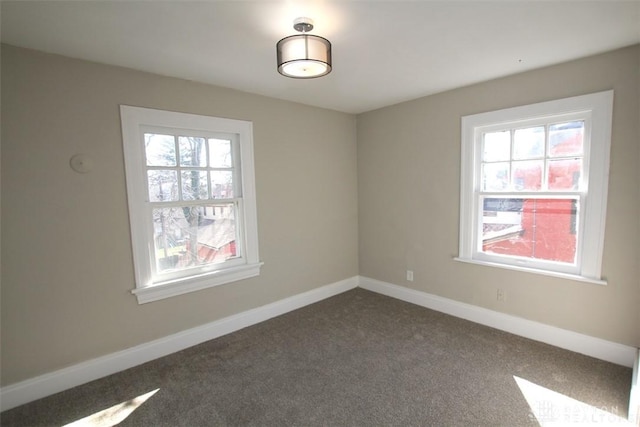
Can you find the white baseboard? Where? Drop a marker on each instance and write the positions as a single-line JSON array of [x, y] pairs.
[[595, 347], [63, 379], [634, 396]]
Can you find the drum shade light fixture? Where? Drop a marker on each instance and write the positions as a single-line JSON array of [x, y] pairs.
[[304, 56]]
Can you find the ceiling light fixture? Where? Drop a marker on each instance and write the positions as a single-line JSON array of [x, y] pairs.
[[304, 56]]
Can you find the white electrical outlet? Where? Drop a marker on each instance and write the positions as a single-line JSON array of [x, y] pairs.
[[501, 295], [410, 275]]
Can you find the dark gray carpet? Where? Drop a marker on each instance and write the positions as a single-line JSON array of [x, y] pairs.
[[357, 359]]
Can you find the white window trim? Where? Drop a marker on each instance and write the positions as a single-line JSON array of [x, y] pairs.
[[596, 157], [134, 120]]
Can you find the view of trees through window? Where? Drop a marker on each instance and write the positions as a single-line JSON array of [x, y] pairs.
[[530, 181], [192, 190]]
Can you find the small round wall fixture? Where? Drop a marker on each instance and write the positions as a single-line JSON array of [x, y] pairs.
[[81, 163], [304, 56]]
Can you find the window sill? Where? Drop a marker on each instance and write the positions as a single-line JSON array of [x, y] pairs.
[[191, 284], [535, 271]]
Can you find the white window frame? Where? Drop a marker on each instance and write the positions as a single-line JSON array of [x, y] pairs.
[[596, 109], [151, 286]]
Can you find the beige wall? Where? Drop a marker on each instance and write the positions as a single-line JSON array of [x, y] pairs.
[[408, 188], [67, 262], [67, 267]]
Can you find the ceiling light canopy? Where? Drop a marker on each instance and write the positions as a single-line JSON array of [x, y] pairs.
[[304, 56]]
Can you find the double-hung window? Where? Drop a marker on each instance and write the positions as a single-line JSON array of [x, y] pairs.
[[534, 186], [191, 193]]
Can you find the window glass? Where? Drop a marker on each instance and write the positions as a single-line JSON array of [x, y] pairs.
[[543, 229], [220, 153], [529, 143], [566, 139], [527, 175], [564, 174], [497, 146], [495, 176], [163, 185], [533, 227], [195, 185], [192, 151], [192, 236], [160, 149], [222, 185]]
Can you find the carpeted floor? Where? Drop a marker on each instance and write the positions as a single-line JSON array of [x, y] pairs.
[[357, 359]]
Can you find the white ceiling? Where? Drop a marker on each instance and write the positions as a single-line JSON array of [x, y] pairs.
[[384, 52]]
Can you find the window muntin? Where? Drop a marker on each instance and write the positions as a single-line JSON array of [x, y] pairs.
[[539, 158], [532, 226], [534, 180], [191, 200], [185, 174]]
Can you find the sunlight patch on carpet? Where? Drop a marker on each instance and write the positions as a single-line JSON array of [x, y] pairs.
[[113, 415], [550, 408]]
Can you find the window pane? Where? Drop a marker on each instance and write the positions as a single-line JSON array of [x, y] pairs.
[[163, 185], [220, 153], [192, 151], [194, 236], [528, 143], [194, 185], [160, 150], [565, 174], [527, 175], [566, 139], [543, 229], [222, 185], [496, 146], [495, 176]]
